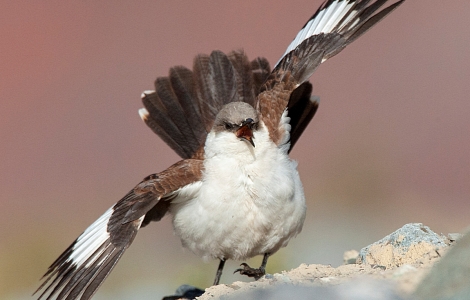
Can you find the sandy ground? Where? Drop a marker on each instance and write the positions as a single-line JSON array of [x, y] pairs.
[[391, 268]]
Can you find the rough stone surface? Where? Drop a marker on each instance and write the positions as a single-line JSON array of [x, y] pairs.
[[400, 261], [412, 243]]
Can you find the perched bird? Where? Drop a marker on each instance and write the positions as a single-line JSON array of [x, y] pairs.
[[236, 193]]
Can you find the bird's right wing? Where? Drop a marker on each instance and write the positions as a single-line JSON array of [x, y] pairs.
[[81, 269], [336, 24]]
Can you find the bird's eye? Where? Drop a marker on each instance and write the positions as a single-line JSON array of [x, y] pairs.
[[228, 126]]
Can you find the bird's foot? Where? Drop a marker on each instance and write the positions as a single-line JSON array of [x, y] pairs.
[[251, 272]]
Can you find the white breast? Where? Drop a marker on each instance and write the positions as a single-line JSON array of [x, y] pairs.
[[250, 202]]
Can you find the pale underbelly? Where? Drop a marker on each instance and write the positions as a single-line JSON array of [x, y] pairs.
[[238, 227]]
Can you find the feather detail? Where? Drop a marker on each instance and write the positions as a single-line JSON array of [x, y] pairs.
[[183, 107], [301, 109], [83, 266], [334, 25], [244, 76]]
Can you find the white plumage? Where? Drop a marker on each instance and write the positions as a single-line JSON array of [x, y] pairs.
[[251, 201], [236, 193]]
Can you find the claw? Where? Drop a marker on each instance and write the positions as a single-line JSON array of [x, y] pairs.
[[245, 266], [250, 272]]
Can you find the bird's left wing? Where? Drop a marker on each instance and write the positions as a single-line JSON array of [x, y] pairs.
[[336, 24], [84, 265]]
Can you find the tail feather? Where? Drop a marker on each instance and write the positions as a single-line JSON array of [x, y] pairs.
[[260, 69], [158, 119], [167, 95], [183, 106], [203, 89], [222, 78], [244, 77], [182, 83], [215, 84], [171, 103]]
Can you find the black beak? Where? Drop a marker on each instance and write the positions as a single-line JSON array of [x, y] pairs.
[[245, 132]]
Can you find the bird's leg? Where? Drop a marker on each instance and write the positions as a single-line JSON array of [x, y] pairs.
[[251, 272], [219, 271]]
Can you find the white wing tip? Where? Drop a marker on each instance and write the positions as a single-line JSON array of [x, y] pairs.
[[146, 93], [315, 99], [144, 114]]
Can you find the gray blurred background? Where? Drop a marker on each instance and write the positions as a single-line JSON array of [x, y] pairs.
[[389, 145]]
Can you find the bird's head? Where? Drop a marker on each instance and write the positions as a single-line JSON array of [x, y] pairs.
[[238, 118]]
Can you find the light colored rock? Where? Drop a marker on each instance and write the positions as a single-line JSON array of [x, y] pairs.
[[392, 269], [414, 243]]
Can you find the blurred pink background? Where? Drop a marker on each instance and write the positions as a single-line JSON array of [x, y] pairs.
[[389, 145]]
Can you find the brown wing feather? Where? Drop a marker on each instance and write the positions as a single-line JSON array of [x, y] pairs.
[[272, 103], [82, 268], [309, 50]]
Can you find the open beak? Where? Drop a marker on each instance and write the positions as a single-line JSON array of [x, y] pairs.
[[245, 132]]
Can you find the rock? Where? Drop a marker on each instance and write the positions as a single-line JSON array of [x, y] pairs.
[[414, 243], [392, 268]]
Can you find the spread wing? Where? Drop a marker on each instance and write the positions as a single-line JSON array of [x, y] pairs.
[[183, 107], [84, 265], [336, 24]]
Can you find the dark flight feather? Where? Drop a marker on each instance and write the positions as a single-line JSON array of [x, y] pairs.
[[301, 109], [84, 265], [310, 48], [183, 106], [182, 110]]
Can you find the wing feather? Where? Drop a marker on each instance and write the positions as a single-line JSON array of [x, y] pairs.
[[182, 110], [334, 25], [83, 266], [301, 109]]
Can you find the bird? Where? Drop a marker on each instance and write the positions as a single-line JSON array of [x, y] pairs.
[[235, 193]]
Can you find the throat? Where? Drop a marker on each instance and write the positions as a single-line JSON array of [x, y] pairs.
[[227, 146], [246, 170]]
